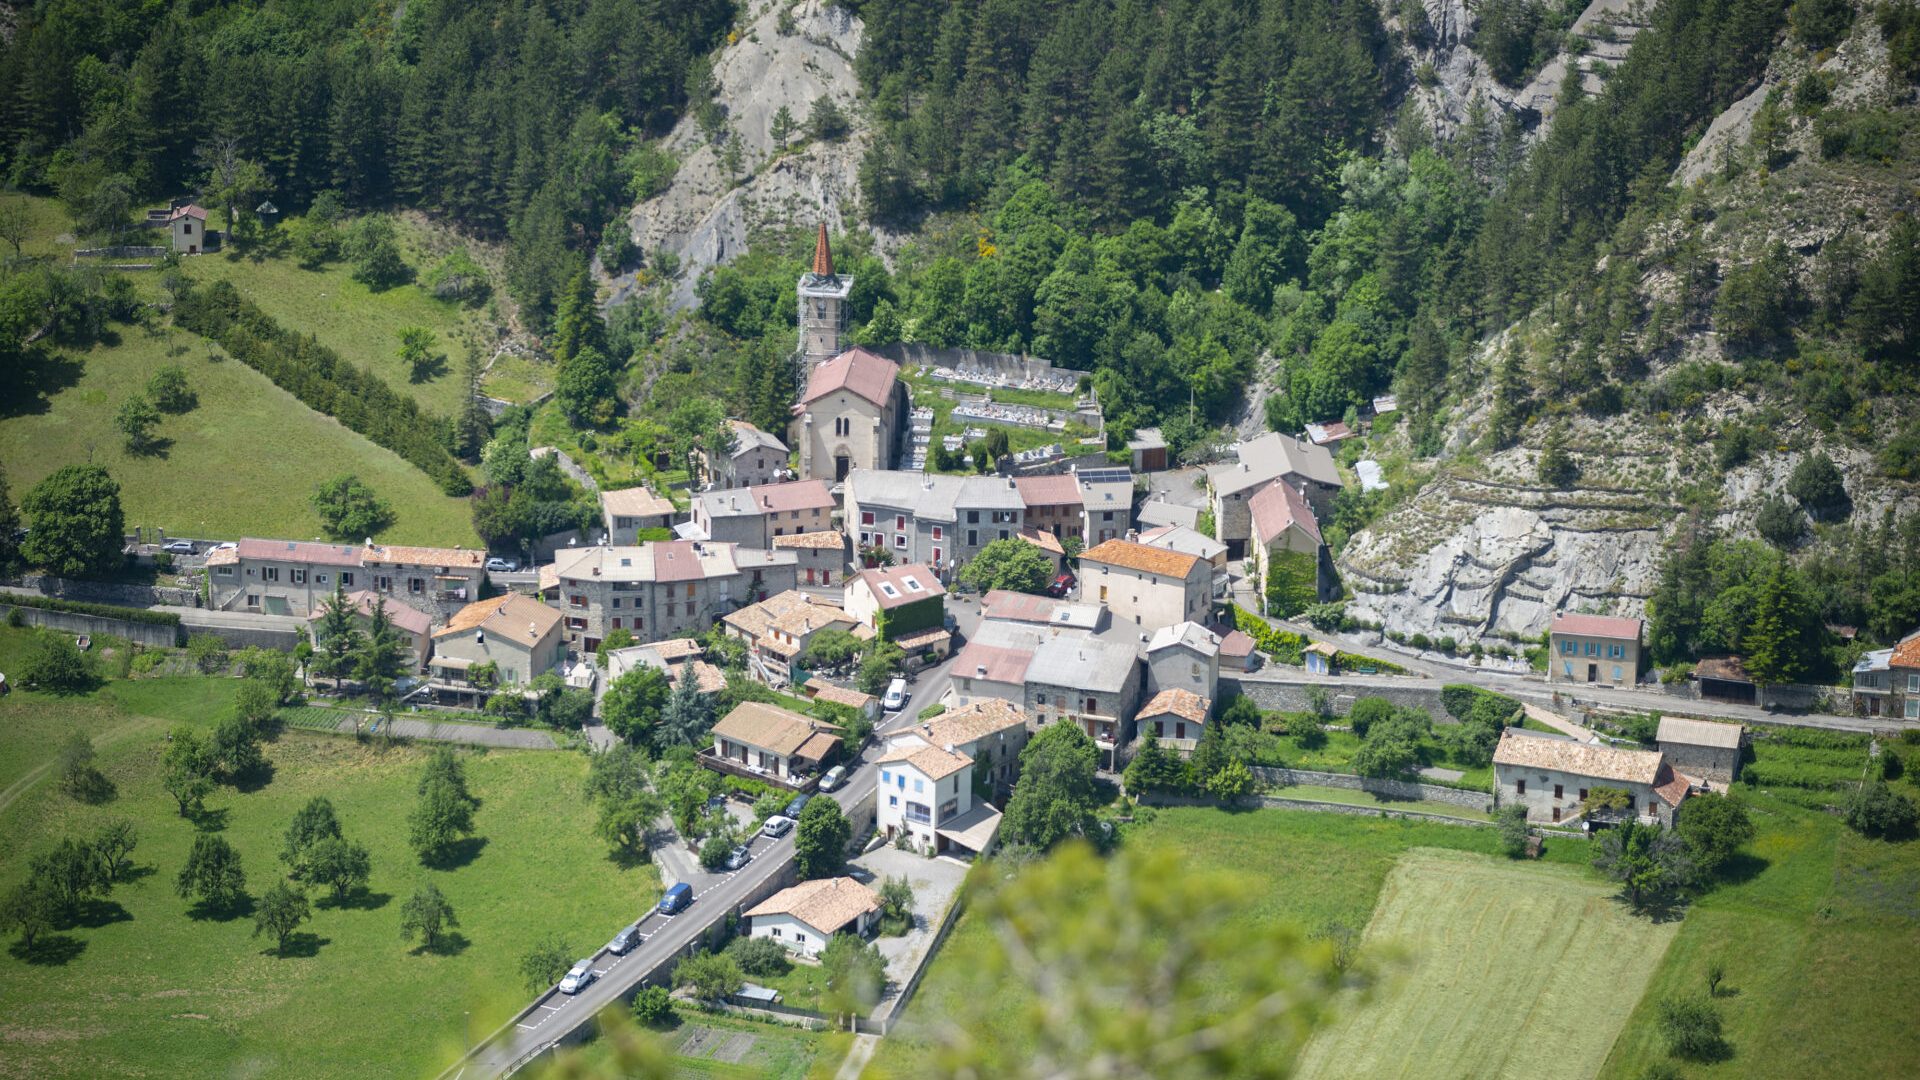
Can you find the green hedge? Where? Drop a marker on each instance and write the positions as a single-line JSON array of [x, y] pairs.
[[1283, 645], [98, 611], [1464, 703], [1292, 583], [322, 381]]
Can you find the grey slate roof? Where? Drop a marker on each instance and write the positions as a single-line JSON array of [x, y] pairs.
[[1083, 663]]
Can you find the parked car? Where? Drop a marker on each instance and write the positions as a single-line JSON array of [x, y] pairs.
[[738, 857], [1062, 585], [624, 941], [497, 565], [178, 547], [777, 825], [676, 899], [798, 804], [896, 698], [833, 778], [577, 977]]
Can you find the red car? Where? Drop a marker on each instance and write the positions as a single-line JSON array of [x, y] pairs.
[[1062, 585]]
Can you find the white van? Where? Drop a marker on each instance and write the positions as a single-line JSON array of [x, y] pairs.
[[896, 698]]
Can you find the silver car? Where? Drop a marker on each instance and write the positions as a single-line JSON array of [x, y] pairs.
[[577, 977], [738, 857], [777, 825], [833, 778]]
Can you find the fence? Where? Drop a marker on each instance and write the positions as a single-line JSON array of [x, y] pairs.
[[122, 252]]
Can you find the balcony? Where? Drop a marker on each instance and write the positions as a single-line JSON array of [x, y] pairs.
[[918, 814]]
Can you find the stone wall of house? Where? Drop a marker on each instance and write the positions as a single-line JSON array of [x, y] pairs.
[[1390, 789]]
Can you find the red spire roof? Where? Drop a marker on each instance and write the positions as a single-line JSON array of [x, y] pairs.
[[822, 254]]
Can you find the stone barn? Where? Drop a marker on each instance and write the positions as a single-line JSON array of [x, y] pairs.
[[1702, 748]]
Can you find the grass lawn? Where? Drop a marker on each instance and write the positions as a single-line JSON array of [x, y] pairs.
[[1350, 797], [1510, 969], [361, 325], [243, 463], [1324, 868], [143, 989], [709, 1045], [1336, 753], [1821, 942]]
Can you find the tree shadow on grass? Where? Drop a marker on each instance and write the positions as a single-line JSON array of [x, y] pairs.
[[450, 943], [300, 944], [627, 859], [209, 820], [253, 779], [94, 914], [430, 370], [135, 873], [1657, 909], [241, 907], [1743, 867], [458, 854], [38, 375], [49, 950], [357, 900]]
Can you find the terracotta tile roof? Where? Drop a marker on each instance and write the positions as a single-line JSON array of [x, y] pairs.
[[838, 695], [755, 620], [971, 723], [814, 616], [866, 374], [1679, 729], [223, 556], [1017, 606], [471, 558], [1056, 489], [897, 586], [709, 679], [1278, 507], [798, 495], [822, 254], [672, 649], [993, 663], [1184, 704], [1672, 787], [1236, 643], [769, 727], [405, 616], [191, 210], [1906, 654], [298, 551], [677, 560], [636, 502], [513, 617], [818, 540], [936, 762], [827, 905], [746, 437], [923, 639], [1533, 751], [1131, 556], [1043, 540], [1606, 626]]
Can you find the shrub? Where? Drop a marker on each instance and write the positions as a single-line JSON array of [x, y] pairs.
[[56, 664], [1366, 712], [78, 607], [1691, 1028], [759, 956], [653, 1006], [1512, 823], [1878, 810]]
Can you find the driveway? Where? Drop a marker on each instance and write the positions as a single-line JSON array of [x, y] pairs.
[[935, 884]]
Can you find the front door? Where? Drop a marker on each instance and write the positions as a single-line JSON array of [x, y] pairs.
[[1593, 672]]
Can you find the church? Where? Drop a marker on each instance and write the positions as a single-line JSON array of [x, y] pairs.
[[854, 408]]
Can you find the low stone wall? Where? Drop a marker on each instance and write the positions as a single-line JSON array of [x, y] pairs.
[[109, 592], [242, 637], [1267, 802], [1286, 694], [1389, 789], [152, 635]]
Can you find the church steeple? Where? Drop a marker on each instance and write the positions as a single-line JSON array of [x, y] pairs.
[[822, 254], [823, 299]]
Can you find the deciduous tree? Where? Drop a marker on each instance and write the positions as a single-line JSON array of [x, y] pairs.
[[212, 874], [280, 912], [75, 524], [820, 841], [1055, 796], [428, 916]]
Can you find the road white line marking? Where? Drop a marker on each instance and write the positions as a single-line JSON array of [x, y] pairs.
[[529, 1027], [553, 1006]]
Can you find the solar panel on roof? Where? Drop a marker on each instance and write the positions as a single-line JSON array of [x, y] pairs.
[[1106, 476]]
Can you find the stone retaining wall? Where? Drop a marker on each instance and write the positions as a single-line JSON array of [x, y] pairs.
[[1391, 789], [152, 635], [241, 637], [1292, 695], [1266, 802], [109, 592]]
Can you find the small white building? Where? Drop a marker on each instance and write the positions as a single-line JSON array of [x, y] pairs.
[[188, 227], [625, 512], [1177, 719], [776, 743], [990, 732], [803, 918], [1147, 586], [926, 793]]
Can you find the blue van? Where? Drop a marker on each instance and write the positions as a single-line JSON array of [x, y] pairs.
[[677, 898]]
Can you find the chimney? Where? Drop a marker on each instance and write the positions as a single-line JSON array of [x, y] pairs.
[[533, 629], [980, 671]]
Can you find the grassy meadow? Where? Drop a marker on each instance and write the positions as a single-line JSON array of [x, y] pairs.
[[1513, 969], [142, 988]]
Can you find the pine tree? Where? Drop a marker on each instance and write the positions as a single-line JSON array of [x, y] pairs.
[[338, 636], [1775, 642]]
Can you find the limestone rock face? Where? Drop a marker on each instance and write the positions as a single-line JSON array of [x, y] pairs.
[[707, 214]]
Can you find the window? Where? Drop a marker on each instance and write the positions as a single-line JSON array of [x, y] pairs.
[[616, 601], [1103, 594], [689, 590], [415, 585], [1558, 791], [973, 538], [893, 800], [1913, 684], [866, 517], [346, 578], [1583, 794], [1003, 534], [1180, 730], [1616, 673], [253, 599], [918, 786], [775, 932], [936, 554], [899, 521], [1092, 706], [1159, 729], [973, 517], [576, 600], [320, 578], [224, 571], [1913, 708], [1556, 813], [616, 622], [576, 624], [900, 541], [1519, 787], [885, 776], [271, 573], [937, 533]]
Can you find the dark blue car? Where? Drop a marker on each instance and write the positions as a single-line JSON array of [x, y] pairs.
[[676, 899]]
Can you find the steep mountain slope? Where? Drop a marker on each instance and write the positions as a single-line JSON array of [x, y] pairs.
[[737, 178], [1486, 549]]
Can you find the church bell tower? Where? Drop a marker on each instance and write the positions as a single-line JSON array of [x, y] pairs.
[[823, 305]]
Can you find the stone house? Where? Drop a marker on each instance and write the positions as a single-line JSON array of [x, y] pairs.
[[1703, 749], [1177, 718], [436, 579], [516, 632], [899, 603], [756, 458], [187, 225], [820, 558], [414, 626], [1147, 586], [850, 416], [282, 577], [772, 743], [662, 588], [778, 630], [805, 917], [1551, 775], [625, 512], [1184, 656], [1093, 505], [755, 516], [1232, 485], [989, 732], [931, 518], [1593, 649], [1886, 682]]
